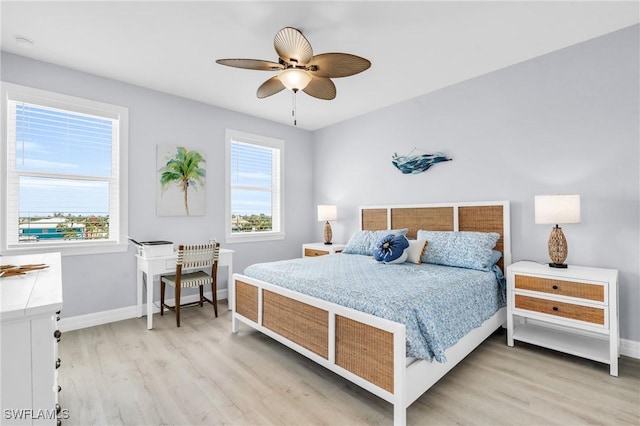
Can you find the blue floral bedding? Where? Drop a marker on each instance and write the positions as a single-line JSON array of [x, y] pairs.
[[437, 304]]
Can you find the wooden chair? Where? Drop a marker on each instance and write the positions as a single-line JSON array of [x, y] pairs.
[[191, 257]]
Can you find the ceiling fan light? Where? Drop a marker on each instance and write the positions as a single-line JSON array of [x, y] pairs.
[[294, 79]]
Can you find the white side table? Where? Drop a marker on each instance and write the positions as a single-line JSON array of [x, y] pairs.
[[321, 249], [572, 310]]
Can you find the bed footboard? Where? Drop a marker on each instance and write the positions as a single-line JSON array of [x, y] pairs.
[[367, 350]]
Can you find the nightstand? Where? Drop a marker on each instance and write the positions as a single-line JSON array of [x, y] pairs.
[[572, 310], [321, 249]]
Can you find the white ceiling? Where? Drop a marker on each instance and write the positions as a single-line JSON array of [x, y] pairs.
[[415, 47]]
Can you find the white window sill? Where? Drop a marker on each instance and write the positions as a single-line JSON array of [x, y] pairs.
[[252, 237], [70, 249]]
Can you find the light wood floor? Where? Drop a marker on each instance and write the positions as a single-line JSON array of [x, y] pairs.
[[201, 374]]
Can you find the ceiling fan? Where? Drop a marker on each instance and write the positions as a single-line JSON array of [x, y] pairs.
[[299, 69]]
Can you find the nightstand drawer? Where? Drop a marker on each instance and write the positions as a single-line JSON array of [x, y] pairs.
[[561, 309], [314, 252], [564, 288]]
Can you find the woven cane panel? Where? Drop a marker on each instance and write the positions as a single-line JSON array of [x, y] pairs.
[[365, 351], [564, 288], [561, 309], [483, 219], [247, 300], [374, 219], [303, 324], [415, 218]]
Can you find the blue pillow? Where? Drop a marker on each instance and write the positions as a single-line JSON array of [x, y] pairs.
[[495, 257], [364, 242], [392, 249], [472, 250]]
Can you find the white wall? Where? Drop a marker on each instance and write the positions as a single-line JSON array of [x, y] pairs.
[[94, 283], [566, 122]]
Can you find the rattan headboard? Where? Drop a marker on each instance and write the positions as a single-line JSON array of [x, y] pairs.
[[471, 216]]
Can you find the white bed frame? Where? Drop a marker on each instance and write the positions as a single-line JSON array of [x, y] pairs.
[[409, 380]]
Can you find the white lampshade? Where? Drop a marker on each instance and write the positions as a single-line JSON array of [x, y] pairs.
[[294, 79], [327, 212], [557, 209]]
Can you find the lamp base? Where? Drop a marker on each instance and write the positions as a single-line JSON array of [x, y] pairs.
[[327, 233], [558, 248]]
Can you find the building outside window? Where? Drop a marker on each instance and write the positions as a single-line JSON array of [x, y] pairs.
[[254, 198], [64, 173]]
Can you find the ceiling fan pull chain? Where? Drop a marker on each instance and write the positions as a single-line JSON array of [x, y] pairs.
[[294, 107]]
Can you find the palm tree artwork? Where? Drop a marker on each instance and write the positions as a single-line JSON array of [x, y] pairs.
[[185, 170]]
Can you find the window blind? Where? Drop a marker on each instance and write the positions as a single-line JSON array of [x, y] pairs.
[[254, 199], [63, 172]]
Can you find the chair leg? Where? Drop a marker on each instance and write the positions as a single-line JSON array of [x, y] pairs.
[[201, 295], [214, 296], [162, 287], [177, 293]]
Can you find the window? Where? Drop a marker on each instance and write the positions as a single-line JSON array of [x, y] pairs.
[[254, 199], [64, 173]]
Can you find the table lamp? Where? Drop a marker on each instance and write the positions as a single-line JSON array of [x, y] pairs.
[[557, 209], [325, 214]]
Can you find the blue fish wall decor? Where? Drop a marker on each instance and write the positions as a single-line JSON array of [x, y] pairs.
[[413, 164]]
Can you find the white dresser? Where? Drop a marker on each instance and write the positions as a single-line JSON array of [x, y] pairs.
[[321, 249], [30, 305], [572, 310]]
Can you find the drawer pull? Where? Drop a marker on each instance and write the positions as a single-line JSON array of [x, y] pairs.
[[59, 388], [58, 408], [555, 308], [58, 422], [58, 362], [555, 287], [57, 334]]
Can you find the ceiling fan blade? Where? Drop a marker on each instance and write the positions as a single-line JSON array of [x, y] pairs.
[[333, 65], [291, 46], [321, 88], [251, 64], [270, 87]]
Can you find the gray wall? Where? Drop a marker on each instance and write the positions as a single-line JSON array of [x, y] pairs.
[[94, 283], [566, 122]]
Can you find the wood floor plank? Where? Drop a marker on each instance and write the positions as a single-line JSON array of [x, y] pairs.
[[202, 374]]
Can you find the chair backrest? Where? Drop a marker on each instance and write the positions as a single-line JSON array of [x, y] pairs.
[[197, 255]]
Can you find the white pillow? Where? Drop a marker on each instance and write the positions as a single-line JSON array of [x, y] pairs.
[[415, 251]]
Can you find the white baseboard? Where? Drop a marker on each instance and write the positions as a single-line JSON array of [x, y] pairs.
[[120, 314], [629, 348]]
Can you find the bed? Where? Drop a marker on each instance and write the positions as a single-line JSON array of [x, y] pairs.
[[370, 350]]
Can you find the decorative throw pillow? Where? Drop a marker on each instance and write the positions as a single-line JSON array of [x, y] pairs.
[[364, 242], [392, 249], [471, 250], [416, 251], [495, 257]]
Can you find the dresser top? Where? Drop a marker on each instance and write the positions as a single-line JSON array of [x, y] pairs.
[[571, 272], [34, 293]]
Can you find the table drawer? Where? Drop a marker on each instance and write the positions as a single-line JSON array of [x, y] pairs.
[[314, 252], [586, 291], [561, 309]]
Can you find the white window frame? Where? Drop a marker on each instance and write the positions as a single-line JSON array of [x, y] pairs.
[[277, 195], [118, 207]]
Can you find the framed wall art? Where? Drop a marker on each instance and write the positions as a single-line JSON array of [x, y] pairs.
[[180, 181]]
